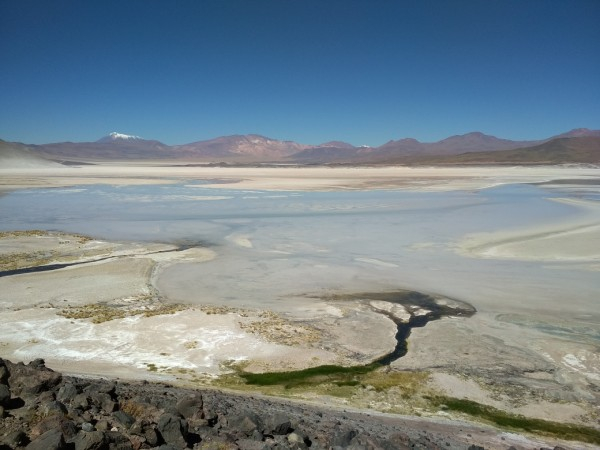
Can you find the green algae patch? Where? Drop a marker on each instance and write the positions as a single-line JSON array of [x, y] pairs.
[[504, 419], [313, 375]]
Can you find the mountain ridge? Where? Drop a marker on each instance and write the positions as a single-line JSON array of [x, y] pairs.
[[15, 155], [258, 149], [563, 150]]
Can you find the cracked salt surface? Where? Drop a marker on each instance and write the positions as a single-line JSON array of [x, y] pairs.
[[132, 341]]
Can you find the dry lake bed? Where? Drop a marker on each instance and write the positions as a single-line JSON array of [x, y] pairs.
[[463, 283]]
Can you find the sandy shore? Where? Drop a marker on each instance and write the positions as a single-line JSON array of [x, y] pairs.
[[571, 241]]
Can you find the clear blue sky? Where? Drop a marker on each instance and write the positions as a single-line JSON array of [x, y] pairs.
[[305, 70]]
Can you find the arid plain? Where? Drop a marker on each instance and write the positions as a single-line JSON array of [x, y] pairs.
[[194, 274]]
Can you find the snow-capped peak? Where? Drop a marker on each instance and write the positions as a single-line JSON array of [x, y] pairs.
[[114, 136]]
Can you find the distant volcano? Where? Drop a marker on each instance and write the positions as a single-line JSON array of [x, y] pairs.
[[114, 136]]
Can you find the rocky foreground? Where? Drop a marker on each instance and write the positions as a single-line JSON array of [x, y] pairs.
[[41, 409]]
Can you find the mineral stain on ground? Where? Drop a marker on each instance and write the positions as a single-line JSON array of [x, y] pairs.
[[421, 308]]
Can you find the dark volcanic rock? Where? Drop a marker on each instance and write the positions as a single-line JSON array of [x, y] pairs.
[[245, 422], [45, 411], [191, 407], [251, 444], [343, 438], [124, 419], [80, 401], [151, 437], [103, 401], [31, 379], [93, 440], [3, 372], [66, 393], [118, 441], [173, 429], [50, 440], [14, 439], [4, 395], [61, 423], [278, 424], [53, 408]]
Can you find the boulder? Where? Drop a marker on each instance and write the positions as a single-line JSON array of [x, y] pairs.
[[173, 429], [4, 395], [3, 372], [31, 379], [53, 408], [343, 438], [297, 438], [210, 415], [124, 419], [80, 401], [55, 422], [38, 363], [66, 393], [94, 440], [50, 440], [103, 401], [104, 387], [151, 437], [251, 444], [15, 439], [102, 425], [245, 423], [206, 432], [190, 407], [278, 424], [118, 441]]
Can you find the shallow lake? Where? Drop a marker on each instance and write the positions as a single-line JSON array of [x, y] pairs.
[[277, 247]]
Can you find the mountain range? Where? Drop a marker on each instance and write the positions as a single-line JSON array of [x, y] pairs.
[[576, 146]]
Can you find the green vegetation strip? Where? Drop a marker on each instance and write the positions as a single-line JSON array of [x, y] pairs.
[[319, 374], [410, 383], [514, 421]]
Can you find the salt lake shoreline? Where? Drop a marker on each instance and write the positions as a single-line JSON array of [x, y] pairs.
[[506, 245], [291, 178]]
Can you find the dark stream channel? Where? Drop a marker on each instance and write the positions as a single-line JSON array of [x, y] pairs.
[[412, 300], [50, 267]]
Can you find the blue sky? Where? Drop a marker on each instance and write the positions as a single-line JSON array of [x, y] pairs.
[[306, 70]]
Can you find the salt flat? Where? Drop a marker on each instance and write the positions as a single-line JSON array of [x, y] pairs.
[[291, 178], [253, 259]]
